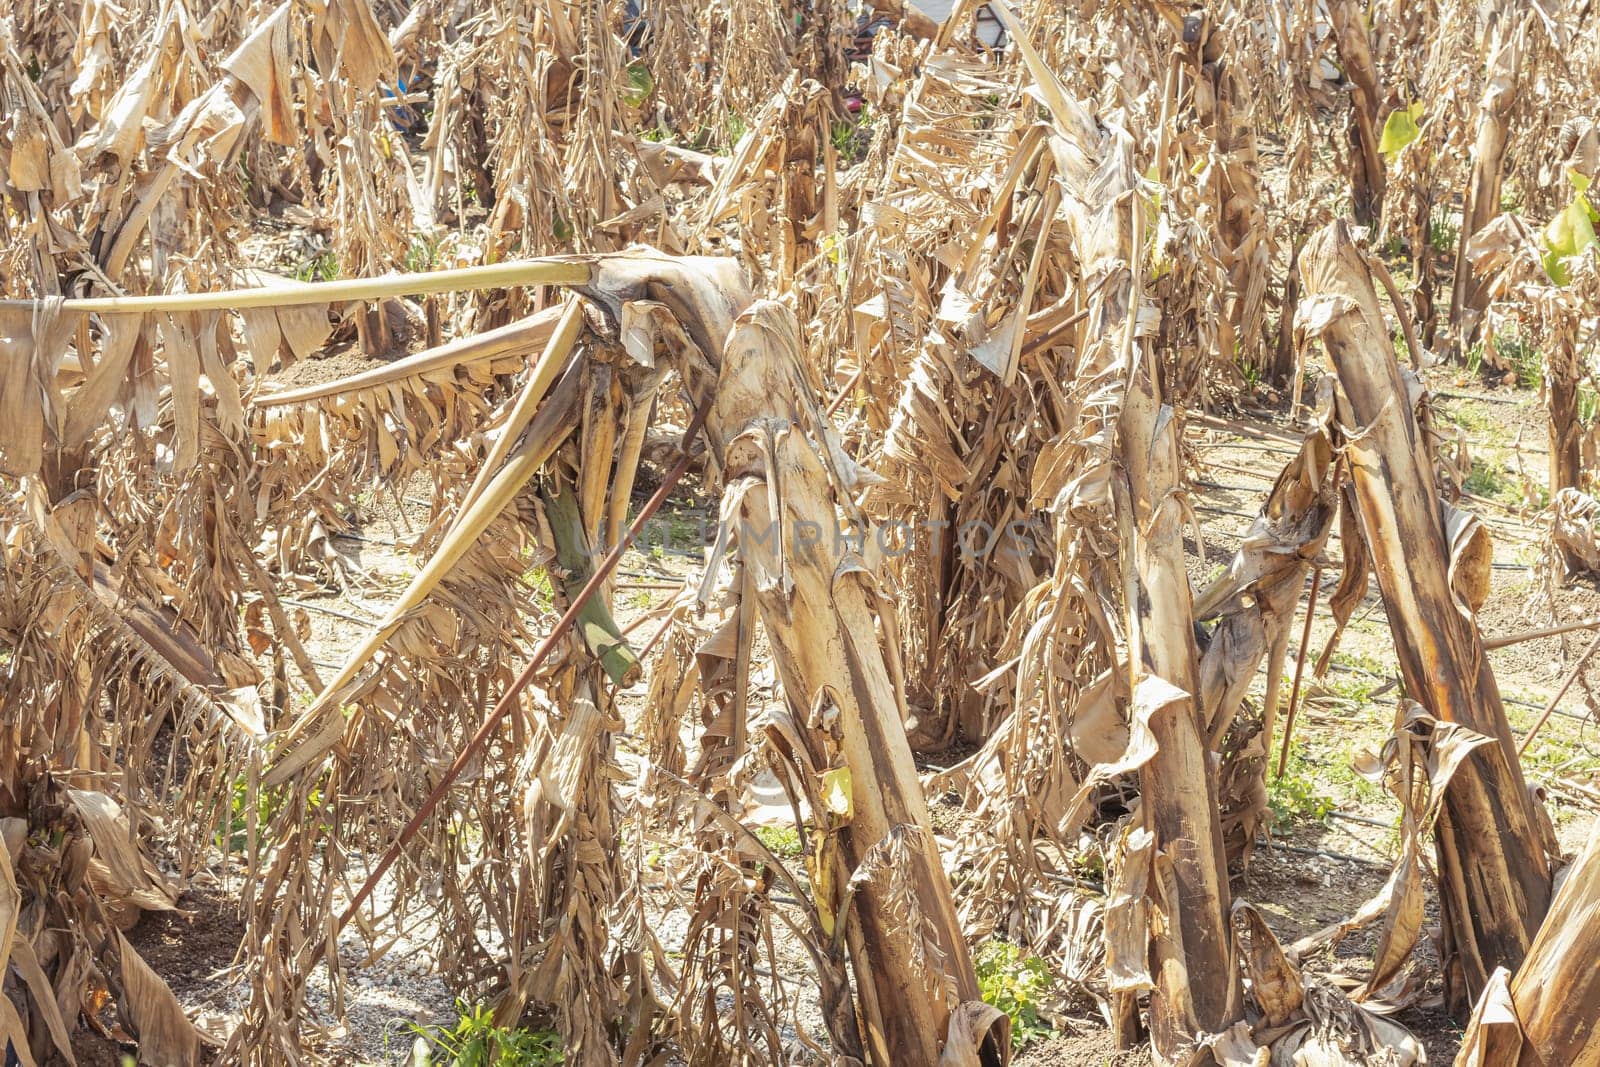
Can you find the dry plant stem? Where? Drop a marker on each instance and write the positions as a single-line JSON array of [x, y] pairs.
[[820, 613], [509, 698], [1177, 785], [1507, 641], [531, 332], [1494, 875], [1562, 378], [1469, 294], [1299, 670], [1367, 175], [1555, 698], [1557, 989], [540, 378], [492, 276], [627, 468], [848, 388], [1179, 790], [739, 741]]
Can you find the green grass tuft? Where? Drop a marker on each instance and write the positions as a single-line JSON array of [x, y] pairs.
[[780, 840], [323, 268], [1443, 234], [475, 1041]]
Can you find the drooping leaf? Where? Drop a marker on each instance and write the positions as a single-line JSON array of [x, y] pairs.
[[1400, 129], [1569, 233]]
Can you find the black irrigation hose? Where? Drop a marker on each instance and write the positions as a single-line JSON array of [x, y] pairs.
[[1342, 857]]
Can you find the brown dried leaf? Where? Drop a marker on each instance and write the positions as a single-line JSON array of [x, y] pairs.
[[1471, 559], [1494, 1035], [119, 870], [21, 402], [262, 64], [166, 1036], [1275, 982], [972, 1024], [1127, 930], [43, 997]]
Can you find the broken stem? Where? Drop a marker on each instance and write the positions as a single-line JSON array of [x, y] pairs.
[[479, 348], [487, 276], [545, 369], [508, 698]]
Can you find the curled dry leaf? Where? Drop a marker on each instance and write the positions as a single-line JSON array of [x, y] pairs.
[[1306, 1021]]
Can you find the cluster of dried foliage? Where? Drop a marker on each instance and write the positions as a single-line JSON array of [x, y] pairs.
[[647, 245]]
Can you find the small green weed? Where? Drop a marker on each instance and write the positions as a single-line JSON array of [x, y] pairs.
[[1588, 404], [1525, 359], [1251, 373], [844, 135], [723, 142], [538, 579], [852, 138], [1492, 479], [422, 255], [780, 840], [1359, 677], [1089, 864], [1467, 414], [323, 268], [235, 837], [1484, 480], [1016, 984], [1295, 796], [475, 1041], [674, 533], [1443, 234]]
